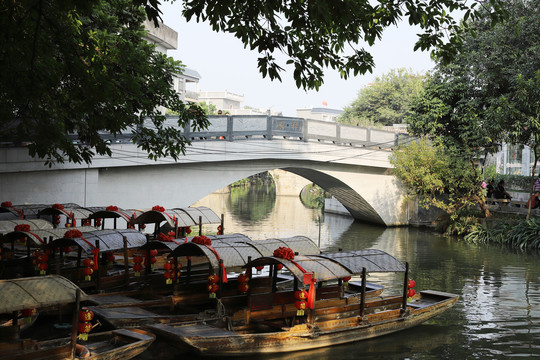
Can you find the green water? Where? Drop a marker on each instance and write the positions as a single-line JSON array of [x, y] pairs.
[[496, 317]]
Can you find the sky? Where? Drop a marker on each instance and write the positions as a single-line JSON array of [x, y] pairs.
[[224, 64]]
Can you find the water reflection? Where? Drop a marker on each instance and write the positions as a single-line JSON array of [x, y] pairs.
[[497, 316], [252, 203]]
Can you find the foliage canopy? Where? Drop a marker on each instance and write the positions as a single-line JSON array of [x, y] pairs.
[[438, 175], [386, 101], [73, 70], [82, 67]]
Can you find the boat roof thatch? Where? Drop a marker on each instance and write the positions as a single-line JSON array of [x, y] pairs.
[[75, 212], [183, 216], [35, 224], [236, 249], [332, 266], [36, 292], [109, 240], [373, 260], [41, 237]]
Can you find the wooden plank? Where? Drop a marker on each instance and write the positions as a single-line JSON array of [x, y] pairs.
[[192, 330]]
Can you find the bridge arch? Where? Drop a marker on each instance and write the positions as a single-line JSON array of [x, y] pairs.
[[360, 178]]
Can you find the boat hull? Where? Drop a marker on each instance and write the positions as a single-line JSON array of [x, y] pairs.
[[111, 345], [206, 340]]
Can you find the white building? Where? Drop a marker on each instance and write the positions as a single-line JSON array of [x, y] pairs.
[[323, 114], [165, 38], [223, 100]]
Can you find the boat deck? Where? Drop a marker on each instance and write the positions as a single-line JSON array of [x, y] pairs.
[[192, 330], [430, 297]]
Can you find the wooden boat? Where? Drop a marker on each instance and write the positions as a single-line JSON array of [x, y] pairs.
[[271, 323], [178, 220], [188, 296], [19, 244], [49, 292]]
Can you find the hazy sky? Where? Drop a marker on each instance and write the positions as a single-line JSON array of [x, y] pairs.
[[224, 64]]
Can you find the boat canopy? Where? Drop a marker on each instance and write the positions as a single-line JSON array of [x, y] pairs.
[[170, 216], [36, 292], [75, 212], [333, 266], [109, 240], [299, 244], [233, 254], [373, 260], [323, 269], [236, 249], [157, 244], [28, 210], [41, 237], [35, 224], [103, 213], [207, 215]]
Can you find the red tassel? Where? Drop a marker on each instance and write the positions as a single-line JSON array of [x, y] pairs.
[[223, 273]]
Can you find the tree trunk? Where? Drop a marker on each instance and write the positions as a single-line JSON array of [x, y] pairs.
[[482, 203]]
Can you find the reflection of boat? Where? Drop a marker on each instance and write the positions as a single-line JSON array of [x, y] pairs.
[[48, 292], [271, 323]]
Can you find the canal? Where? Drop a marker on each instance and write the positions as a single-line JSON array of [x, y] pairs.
[[496, 317]]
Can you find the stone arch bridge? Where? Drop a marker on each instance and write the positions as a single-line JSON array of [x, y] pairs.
[[351, 163]]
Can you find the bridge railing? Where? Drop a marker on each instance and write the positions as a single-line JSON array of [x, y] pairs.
[[242, 127]]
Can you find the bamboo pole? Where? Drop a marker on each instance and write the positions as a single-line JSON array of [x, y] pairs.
[[405, 287]]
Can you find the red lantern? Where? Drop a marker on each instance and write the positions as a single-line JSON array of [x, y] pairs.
[[85, 315], [300, 294], [84, 328], [43, 268], [220, 230], [346, 280], [67, 249], [153, 252], [188, 230], [411, 293], [88, 269], [110, 258], [279, 266], [242, 278], [259, 268], [167, 266], [43, 258], [212, 289], [97, 222], [411, 283], [301, 305], [56, 220], [27, 315], [88, 262], [213, 279], [137, 268], [243, 288]]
